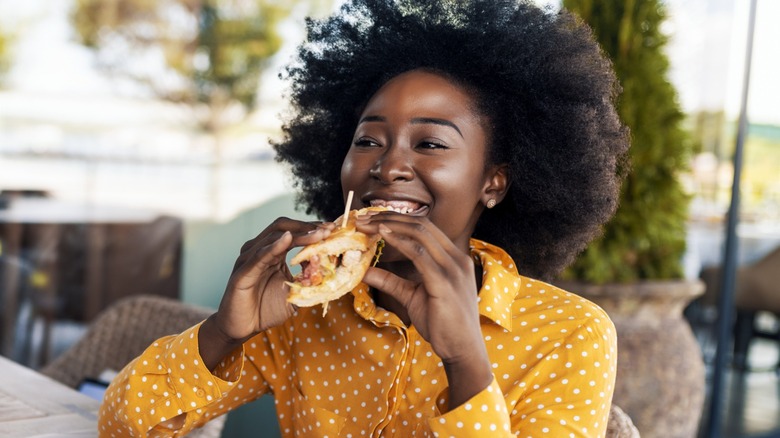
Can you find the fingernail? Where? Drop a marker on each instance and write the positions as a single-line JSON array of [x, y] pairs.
[[383, 228]]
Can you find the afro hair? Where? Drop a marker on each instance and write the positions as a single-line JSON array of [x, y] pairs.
[[539, 77]]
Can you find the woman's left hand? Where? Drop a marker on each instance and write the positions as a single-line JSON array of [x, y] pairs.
[[442, 304]]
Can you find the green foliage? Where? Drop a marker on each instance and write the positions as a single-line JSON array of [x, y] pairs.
[[213, 51], [646, 238]]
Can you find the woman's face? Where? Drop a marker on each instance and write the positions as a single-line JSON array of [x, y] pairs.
[[420, 148]]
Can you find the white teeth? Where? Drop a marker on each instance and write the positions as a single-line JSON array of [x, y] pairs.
[[402, 210], [402, 207]]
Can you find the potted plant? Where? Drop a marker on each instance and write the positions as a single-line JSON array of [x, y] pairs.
[[634, 270]]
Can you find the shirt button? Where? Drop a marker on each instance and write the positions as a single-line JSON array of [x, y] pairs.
[[200, 392]]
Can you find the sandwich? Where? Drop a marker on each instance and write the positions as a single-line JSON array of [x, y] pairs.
[[336, 265]]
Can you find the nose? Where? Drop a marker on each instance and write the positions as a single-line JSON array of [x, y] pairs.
[[392, 166]]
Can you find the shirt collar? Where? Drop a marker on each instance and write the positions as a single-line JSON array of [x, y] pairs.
[[363, 302], [500, 282]]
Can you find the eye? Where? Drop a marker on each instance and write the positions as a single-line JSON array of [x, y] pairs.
[[430, 145], [366, 143]]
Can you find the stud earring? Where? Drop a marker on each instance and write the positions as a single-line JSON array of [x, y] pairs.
[[491, 203]]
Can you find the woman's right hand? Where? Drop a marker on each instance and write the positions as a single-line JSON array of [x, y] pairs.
[[256, 295]]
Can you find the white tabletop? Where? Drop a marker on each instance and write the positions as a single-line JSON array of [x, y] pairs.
[[55, 211], [33, 405], [706, 241]]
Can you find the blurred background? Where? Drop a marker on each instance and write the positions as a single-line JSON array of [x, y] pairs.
[[134, 153]]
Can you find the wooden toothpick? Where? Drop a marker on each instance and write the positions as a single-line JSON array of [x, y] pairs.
[[346, 209]]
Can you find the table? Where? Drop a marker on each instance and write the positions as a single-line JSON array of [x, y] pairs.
[[42, 221], [705, 241], [33, 405]]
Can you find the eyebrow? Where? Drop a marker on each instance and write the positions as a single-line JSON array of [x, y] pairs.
[[416, 121]]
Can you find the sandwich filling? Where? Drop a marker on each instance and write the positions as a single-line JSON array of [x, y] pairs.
[[319, 267], [334, 266]]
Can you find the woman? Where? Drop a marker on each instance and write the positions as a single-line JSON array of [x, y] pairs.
[[478, 121]]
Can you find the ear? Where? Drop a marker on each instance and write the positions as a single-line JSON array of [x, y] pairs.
[[497, 183]]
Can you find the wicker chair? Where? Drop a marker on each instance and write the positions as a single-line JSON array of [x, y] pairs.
[[620, 424], [125, 329], [122, 332]]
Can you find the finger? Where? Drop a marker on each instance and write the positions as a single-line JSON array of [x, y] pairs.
[[250, 267], [305, 233], [419, 242], [431, 269], [395, 221], [391, 284], [280, 225], [251, 248], [266, 256], [278, 249], [311, 236]]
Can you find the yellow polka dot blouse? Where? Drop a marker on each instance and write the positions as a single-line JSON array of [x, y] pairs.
[[359, 371]]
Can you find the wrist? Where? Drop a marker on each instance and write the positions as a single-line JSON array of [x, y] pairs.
[[213, 343], [467, 376]]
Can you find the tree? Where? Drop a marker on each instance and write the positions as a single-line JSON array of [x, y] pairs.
[[634, 271], [205, 54], [646, 238]]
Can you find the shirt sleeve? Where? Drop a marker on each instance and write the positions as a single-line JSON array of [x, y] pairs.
[[569, 395], [485, 414], [169, 379], [571, 392]]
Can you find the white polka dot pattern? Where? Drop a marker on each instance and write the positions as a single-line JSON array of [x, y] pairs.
[[358, 371]]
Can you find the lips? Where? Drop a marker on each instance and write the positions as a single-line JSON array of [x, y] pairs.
[[400, 206]]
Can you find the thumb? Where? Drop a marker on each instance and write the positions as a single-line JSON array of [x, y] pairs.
[[391, 284]]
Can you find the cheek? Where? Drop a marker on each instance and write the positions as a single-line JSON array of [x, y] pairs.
[[354, 169], [346, 169], [460, 180]]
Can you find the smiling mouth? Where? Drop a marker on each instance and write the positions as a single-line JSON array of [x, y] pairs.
[[403, 207]]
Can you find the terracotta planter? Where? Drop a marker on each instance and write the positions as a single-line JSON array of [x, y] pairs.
[[660, 375]]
